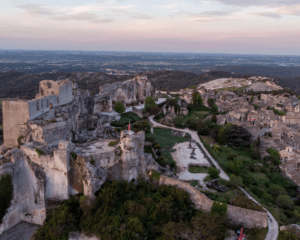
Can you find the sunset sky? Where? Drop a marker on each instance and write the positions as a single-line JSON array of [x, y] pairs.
[[199, 26]]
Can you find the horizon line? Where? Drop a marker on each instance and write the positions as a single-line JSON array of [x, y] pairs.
[[124, 51]]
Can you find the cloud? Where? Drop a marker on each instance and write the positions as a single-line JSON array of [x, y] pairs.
[[78, 14], [267, 14], [259, 2], [204, 14], [36, 9], [90, 17], [278, 12]]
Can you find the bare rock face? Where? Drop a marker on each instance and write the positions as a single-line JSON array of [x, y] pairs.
[[133, 158], [28, 203]]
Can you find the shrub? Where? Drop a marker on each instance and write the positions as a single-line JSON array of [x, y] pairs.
[[119, 107], [74, 156], [179, 121], [149, 102], [213, 173], [19, 140], [113, 143], [157, 146], [53, 120], [196, 99], [284, 201], [274, 156], [39, 152], [154, 110], [235, 181], [211, 102], [92, 161], [6, 191], [244, 202], [219, 208], [276, 190], [214, 109]]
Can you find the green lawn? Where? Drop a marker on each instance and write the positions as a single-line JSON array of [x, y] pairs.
[[196, 169], [164, 138]]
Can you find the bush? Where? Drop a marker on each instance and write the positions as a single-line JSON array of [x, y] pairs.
[[39, 152], [6, 191], [154, 110], [274, 156], [179, 121], [74, 156], [219, 208], [113, 143], [213, 173], [276, 190], [284, 201], [235, 182], [157, 146], [211, 102], [92, 161], [149, 103], [119, 107], [196, 99], [244, 202], [20, 140]]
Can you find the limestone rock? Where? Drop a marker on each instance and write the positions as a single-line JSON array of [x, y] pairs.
[[294, 227], [133, 158], [28, 202], [3, 149]]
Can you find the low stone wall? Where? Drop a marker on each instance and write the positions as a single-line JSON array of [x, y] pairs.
[[239, 216]]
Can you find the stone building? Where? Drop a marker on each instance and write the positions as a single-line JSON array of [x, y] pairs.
[[17, 112]]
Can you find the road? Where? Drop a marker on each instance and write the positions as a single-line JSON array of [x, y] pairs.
[[272, 223]]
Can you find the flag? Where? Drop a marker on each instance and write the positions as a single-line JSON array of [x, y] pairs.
[[129, 126]]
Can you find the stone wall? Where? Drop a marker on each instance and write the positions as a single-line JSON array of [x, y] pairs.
[[239, 216], [62, 89], [41, 105], [15, 113]]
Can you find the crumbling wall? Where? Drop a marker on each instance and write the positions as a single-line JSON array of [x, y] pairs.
[[56, 168], [239, 216], [15, 113]]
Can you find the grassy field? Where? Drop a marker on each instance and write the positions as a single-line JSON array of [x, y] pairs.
[[196, 169], [233, 89]]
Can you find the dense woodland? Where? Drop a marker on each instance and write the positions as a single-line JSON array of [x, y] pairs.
[[125, 211]]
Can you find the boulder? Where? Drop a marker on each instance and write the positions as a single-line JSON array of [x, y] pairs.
[[3, 149]]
